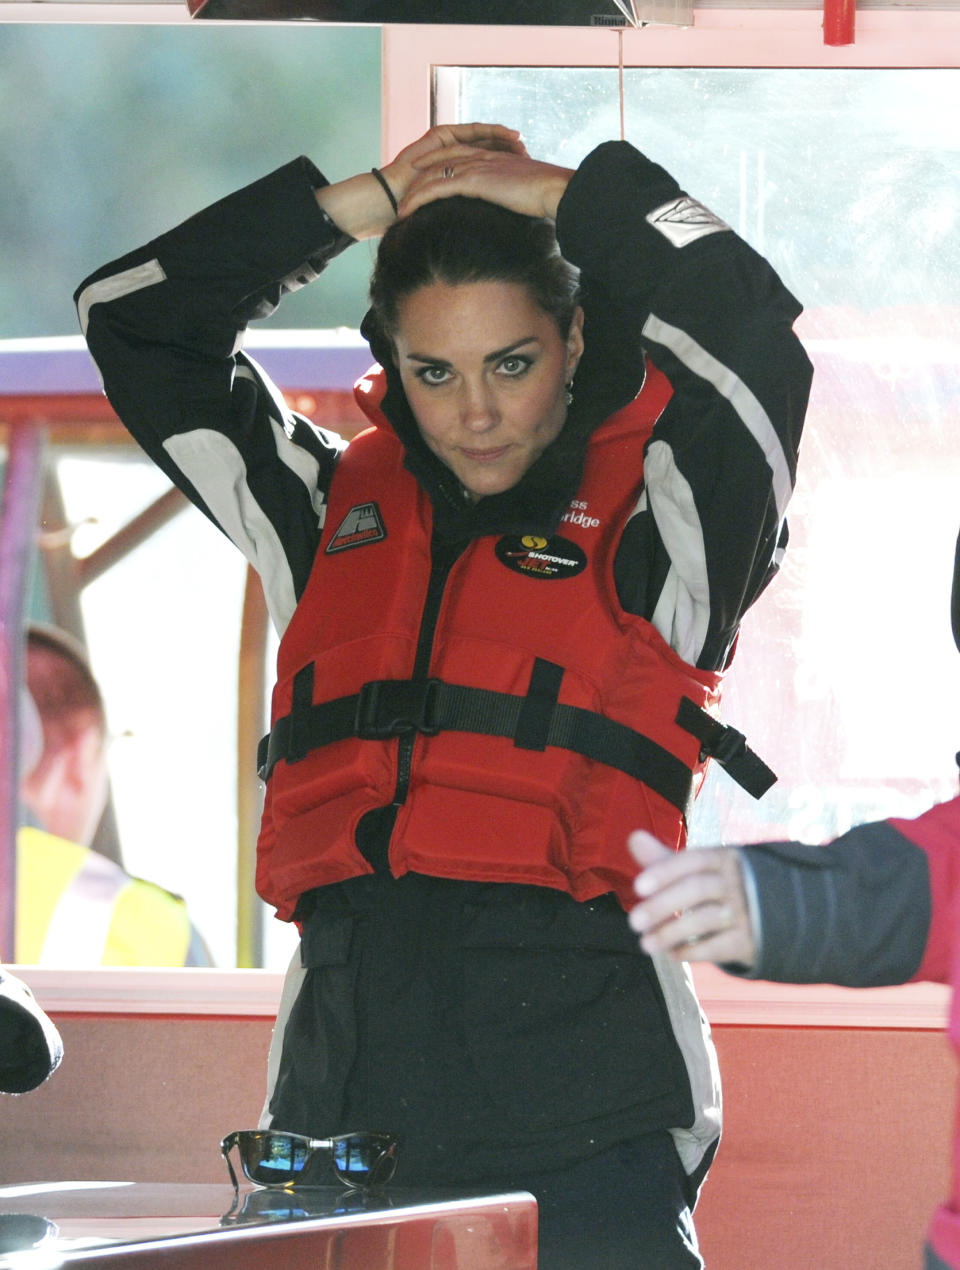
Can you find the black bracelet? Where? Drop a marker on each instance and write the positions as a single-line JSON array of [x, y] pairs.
[[386, 188]]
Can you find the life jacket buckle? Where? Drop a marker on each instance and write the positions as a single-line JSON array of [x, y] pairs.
[[394, 707]]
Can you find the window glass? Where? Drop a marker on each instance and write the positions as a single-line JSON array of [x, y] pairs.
[[846, 679], [846, 179], [163, 628], [111, 133]]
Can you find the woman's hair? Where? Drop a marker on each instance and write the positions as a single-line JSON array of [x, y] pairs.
[[461, 240]]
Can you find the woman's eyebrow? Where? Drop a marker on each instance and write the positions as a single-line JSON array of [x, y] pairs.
[[510, 348], [428, 361], [495, 356]]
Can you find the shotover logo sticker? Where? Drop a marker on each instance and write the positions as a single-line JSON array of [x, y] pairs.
[[537, 557]]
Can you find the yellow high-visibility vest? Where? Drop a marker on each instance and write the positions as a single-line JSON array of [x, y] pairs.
[[77, 908]]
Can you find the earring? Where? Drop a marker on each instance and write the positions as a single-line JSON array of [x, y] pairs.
[[568, 393]]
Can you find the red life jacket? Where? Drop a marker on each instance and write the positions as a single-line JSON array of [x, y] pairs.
[[538, 726]]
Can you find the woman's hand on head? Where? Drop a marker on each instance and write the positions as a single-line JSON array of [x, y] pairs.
[[359, 205], [693, 905], [507, 176], [492, 138]]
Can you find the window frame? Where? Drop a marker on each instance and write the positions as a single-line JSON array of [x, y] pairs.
[[885, 39]]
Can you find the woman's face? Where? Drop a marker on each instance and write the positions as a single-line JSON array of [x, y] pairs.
[[484, 369]]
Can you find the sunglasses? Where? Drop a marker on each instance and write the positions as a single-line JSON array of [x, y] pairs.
[[272, 1158]]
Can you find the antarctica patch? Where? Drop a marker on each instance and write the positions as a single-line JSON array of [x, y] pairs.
[[362, 524], [537, 557]]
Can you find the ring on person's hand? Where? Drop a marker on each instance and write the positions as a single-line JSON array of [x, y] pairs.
[[447, 173]]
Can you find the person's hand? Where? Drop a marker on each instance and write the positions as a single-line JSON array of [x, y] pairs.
[[361, 208], [443, 140], [692, 903], [509, 177]]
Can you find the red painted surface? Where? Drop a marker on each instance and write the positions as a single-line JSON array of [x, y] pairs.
[[156, 1227], [838, 21]]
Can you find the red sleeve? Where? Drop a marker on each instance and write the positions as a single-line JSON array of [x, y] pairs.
[[937, 833]]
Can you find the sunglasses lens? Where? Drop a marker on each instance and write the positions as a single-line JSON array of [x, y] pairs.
[[272, 1159], [365, 1159]]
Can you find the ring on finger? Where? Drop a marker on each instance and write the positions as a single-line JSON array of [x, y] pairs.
[[447, 173]]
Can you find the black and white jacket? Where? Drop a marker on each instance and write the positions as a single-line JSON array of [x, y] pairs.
[[662, 277]]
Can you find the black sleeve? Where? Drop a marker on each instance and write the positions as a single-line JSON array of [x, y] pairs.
[[855, 912], [165, 325], [664, 277]]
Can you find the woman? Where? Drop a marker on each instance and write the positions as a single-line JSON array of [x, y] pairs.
[[492, 609]]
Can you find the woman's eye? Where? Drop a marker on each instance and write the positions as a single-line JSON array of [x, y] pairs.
[[433, 375], [514, 365]]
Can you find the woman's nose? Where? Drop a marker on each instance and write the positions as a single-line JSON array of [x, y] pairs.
[[478, 408]]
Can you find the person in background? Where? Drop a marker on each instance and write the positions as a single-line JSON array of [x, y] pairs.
[[879, 905], [504, 613], [74, 906]]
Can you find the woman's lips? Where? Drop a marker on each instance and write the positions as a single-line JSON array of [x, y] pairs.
[[485, 456]]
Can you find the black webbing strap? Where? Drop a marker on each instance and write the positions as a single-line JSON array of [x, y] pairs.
[[392, 707], [728, 746], [533, 724], [298, 735]]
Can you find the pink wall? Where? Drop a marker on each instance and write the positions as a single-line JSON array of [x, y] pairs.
[[836, 1148], [142, 1099]]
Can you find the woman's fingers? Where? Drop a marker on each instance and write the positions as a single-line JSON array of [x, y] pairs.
[[693, 904], [510, 179], [475, 136], [401, 170], [461, 151], [699, 892], [456, 169], [481, 135], [647, 850], [718, 943]]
